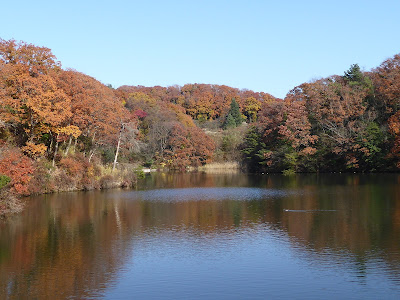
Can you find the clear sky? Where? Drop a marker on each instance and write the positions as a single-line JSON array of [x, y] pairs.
[[269, 46]]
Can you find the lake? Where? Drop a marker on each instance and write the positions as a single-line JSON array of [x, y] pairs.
[[203, 236]]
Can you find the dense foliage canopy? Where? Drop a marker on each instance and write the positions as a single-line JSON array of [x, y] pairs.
[[48, 114]]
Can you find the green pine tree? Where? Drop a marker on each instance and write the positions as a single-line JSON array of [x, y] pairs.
[[235, 112], [354, 74], [253, 149], [355, 77], [229, 122]]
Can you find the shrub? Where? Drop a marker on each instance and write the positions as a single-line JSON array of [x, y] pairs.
[[148, 163], [62, 182], [139, 173], [18, 167], [129, 179], [288, 172], [72, 166], [4, 180], [83, 173], [41, 181], [107, 182]]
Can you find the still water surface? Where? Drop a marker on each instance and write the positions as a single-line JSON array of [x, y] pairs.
[[199, 236]]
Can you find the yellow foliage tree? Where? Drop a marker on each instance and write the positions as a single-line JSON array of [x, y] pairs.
[[251, 108]]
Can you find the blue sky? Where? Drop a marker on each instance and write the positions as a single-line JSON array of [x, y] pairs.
[[269, 46]]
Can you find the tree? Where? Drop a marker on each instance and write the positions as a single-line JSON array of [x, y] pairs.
[[235, 112], [229, 122], [354, 74], [233, 117], [187, 147], [296, 133], [127, 134], [272, 153], [251, 108], [253, 150], [18, 167], [31, 103], [340, 114], [386, 80], [95, 109], [37, 60], [204, 146]]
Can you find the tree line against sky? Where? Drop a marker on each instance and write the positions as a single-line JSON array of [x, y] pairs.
[[66, 124]]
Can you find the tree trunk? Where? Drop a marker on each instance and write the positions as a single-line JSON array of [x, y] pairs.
[[51, 145], [91, 154], [55, 152], [68, 146], [118, 145]]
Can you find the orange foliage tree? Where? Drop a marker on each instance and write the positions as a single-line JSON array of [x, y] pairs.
[[96, 110], [31, 100]]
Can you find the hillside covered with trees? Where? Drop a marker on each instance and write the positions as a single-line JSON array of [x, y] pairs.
[[61, 129], [335, 124]]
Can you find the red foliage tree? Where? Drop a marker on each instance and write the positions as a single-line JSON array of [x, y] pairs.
[[339, 112], [386, 79], [18, 167], [297, 128], [187, 147]]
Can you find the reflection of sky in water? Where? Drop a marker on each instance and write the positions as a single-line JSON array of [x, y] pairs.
[[246, 263], [194, 194], [257, 260]]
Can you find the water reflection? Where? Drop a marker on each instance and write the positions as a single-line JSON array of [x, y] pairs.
[[61, 246], [81, 244]]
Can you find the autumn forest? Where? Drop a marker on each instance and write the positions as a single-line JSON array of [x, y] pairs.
[[63, 130]]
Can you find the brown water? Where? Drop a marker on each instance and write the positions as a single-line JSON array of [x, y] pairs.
[[198, 236]]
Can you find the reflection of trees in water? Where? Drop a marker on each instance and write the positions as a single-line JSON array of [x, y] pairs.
[[200, 179], [75, 245], [68, 248]]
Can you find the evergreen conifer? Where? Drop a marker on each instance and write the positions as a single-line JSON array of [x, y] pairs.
[[235, 112], [229, 122]]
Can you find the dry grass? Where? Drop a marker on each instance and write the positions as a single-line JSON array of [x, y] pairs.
[[221, 168]]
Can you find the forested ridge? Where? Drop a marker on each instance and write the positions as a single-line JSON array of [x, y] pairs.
[[61, 129]]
